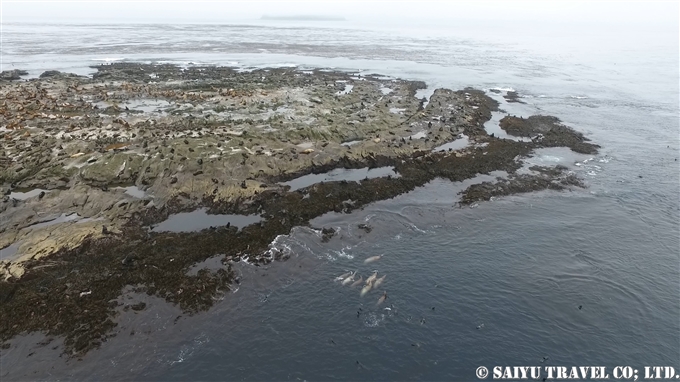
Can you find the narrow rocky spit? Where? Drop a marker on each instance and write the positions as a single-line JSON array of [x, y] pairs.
[[89, 166]]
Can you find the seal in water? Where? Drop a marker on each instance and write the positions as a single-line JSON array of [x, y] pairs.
[[372, 259], [349, 279], [343, 276], [372, 277], [366, 289], [382, 298], [379, 281]]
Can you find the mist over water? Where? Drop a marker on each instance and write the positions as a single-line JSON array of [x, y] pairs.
[[520, 265]]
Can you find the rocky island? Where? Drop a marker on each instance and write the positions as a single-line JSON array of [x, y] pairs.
[[91, 166]]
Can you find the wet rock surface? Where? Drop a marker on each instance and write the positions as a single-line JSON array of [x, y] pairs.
[[543, 178], [327, 234], [513, 97], [367, 228], [548, 131], [223, 140], [12, 75]]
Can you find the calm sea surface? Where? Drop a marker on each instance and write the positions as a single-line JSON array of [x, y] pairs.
[[499, 284]]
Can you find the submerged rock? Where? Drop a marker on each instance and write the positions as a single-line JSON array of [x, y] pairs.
[[543, 178], [367, 228], [327, 234]]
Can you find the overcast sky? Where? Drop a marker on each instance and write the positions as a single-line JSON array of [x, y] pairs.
[[665, 12]]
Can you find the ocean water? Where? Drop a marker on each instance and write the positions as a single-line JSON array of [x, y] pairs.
[[498, 284]]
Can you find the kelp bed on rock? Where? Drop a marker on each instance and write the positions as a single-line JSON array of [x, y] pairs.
[[226, 152]]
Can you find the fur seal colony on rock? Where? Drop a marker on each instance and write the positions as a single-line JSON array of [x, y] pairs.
[[222, 139]]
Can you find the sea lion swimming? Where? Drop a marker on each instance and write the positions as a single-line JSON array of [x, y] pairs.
[[382, 298], [372, 277], [372, 259], [366, 289], [342, 276], [349, 279]]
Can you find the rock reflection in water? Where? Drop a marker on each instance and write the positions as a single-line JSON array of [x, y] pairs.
[[339, 174]]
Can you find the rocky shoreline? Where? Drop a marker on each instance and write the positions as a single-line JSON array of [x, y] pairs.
[[90, 164]]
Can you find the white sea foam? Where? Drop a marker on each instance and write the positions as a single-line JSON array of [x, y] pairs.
[[550, 158], [108, 59], [502, 89], [282, 65], [343, 254], [415, 228], [372, 320], [244, 259]]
